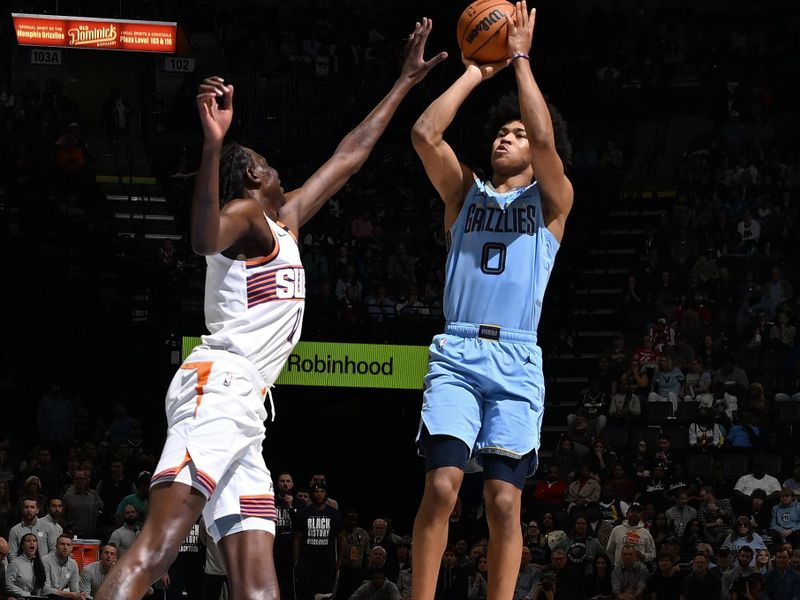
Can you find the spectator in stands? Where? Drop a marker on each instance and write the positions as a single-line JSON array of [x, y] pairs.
[[452, 581], [786, 518], [646, 355], [566, 458], [618, 356], [789, 384], [697, 387], [716, 514], [598, 585], [701, 584], [93, 575], [759, 513], [592, 406], [138, 500], [730, 384], [743, 568], [124, 536], [757, 479], [632, 532], [380, 307], [61, 570], [625, 408], [31, 524], [377, 588], [666, 583], [549, 493], [793, 483], [664, 455], [581, 548], [621, 485], [536, 541], [33, 489], [704, 433], [743, 535], [681, 514], [477, 584], [112, 489], [629, 577], [782, 582], [601, 460], [567, 586], [744, 434], [660, 529], [582, 434], [47, 474], [55, 515], [667, 383], [655, 489], [82, 506], [6, 512], [26, 574], [583, 490]]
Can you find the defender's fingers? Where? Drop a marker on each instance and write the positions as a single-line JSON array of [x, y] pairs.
[[228, 98]]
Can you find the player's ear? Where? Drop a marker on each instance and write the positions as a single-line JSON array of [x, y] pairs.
[[252, 176]]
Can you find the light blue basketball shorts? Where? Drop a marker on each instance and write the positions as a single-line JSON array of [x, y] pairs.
[[485, 387]]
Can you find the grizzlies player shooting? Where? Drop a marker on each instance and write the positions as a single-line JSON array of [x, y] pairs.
[[484, 392]]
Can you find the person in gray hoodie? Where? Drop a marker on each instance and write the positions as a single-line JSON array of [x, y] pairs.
[[632, 532]]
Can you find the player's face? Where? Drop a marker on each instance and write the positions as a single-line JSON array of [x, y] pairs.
[[270, 180], [511, 153]]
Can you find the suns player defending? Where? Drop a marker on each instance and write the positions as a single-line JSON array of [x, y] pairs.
[[255, 290], [484, 392]]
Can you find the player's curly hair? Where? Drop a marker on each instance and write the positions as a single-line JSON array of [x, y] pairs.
[[233, 164], [507, 109]]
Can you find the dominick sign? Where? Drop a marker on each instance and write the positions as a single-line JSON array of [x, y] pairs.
[[102, 34]]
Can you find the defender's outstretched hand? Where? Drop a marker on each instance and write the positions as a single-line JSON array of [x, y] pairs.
[[520, 29], [215, 120], [415, 68]]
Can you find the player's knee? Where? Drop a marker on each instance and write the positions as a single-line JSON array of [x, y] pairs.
[[503, 506], [442, 490]]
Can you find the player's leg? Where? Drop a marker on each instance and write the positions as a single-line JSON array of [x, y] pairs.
[[504, 479], [445, 458], [251, 570], [243, 522], [174, 509], [451, 420]]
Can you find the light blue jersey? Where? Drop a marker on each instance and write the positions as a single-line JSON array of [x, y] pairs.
[[485, 384], [500, 259]]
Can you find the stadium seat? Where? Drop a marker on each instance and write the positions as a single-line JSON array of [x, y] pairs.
[[734, 465], [789, 411], [686, 411], [658, 412], [615, 436], [700, 465], [772, 463], [678, 434], [648, 433]]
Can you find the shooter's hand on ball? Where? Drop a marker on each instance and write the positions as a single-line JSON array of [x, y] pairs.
[[488, 70], [520, 30]]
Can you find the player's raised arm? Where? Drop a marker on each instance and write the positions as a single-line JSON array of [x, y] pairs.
[[449, 176], [211, 230], [554, 187], [355, 148]]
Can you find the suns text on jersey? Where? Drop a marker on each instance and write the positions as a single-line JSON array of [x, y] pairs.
[[290, 283]]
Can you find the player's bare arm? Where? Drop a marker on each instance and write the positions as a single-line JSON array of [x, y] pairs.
[[449, 176], [304, 202], [214, 230], [554, 187]]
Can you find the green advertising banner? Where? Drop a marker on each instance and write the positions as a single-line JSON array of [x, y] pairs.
[[335, 364]]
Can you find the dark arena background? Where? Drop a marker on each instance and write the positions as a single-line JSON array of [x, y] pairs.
[[670, 319]]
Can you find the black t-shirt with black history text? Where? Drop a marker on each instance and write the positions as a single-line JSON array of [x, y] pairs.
[[319, 530]]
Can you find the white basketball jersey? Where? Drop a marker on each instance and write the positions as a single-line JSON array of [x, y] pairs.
[[254, 308]]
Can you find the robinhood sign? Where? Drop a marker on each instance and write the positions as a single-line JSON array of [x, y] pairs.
[[349, 365]]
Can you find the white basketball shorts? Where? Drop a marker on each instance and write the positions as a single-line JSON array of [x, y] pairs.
[[215, 417]]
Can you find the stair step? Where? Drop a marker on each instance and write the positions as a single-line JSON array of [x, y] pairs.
[[153, 236], [147, 217]]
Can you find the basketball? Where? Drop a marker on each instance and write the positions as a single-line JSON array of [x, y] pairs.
[[483, 32]]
